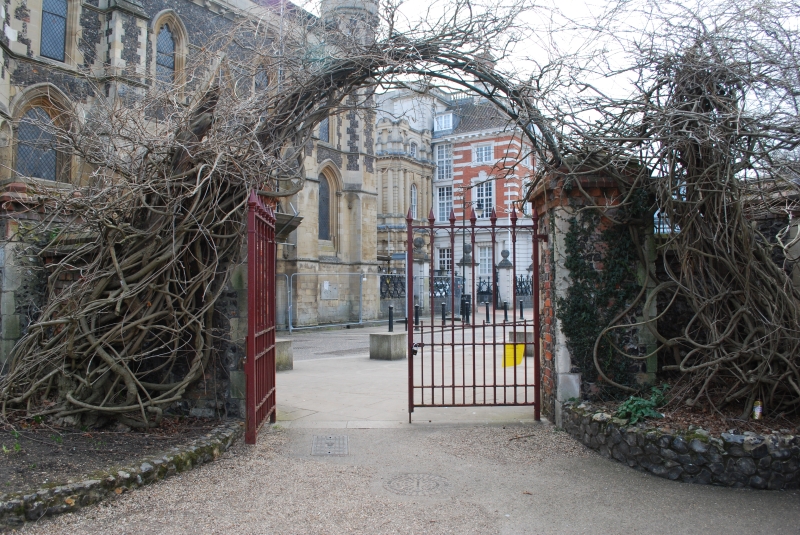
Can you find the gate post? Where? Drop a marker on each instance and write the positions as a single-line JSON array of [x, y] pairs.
[[537, 365], [410, 307]]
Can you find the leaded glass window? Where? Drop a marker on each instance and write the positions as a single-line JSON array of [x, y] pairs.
[[54, 29], [324, 130], [36, 153], [324, 208], [165, 55]]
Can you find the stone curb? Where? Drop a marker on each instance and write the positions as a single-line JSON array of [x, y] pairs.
[[15, 509], [748, 460]]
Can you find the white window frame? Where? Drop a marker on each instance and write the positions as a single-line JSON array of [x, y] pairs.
[[485, 261], [444, 201], [413, 201], [444, 161], [444, 257], [412, 149], [443, 122], [483, 154], [484, 197]]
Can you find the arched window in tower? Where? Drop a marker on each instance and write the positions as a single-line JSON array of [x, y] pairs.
[[54, 29], [36, 151], [324, 208], [413, 203], [165, 55]]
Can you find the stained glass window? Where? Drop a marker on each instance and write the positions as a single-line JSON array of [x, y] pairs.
[[54, 29], [324, 208], [36, 153], [165, 55]]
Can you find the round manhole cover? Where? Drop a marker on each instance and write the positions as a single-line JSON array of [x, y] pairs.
[[417, 484]]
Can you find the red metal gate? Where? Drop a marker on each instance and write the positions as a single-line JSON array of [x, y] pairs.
[[259, 367], [487, 358]]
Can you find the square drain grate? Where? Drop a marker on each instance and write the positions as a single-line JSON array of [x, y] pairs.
[[329, 445]]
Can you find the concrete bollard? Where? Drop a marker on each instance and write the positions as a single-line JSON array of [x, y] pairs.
[[388, 346], [284, 356]]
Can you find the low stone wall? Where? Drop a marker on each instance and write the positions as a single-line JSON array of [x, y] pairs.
[[15, 509], [747, 460]]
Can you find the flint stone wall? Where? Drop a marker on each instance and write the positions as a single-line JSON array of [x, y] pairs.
[[16, 509], [746, 460]]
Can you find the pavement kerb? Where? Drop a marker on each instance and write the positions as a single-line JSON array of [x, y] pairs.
[[18, 508]]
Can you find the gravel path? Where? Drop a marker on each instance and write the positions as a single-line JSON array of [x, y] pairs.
[[267, 490], [497, 479]]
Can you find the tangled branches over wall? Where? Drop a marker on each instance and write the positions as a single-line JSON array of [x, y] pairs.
[[160, 220], [710, 133]]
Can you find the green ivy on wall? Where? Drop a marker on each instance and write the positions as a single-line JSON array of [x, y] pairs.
[[596, 296]]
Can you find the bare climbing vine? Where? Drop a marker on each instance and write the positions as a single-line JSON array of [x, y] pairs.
[[709, 133], [160, 220]]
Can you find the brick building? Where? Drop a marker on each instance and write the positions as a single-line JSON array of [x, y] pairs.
[[481, 164]]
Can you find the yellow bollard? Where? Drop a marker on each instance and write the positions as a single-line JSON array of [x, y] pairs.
[[513, 355]]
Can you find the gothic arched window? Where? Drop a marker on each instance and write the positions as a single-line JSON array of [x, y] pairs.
[[36, 151], [324, 208], [165, 55]]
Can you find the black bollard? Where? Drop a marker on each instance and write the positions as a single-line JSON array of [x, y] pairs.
[[467, 306], [487, 311], [416, 315], [505, 311], [444, 319], [391, 318], [521, 315]]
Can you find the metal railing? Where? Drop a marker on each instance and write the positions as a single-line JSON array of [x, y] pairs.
[[393, 286], [524, 286]]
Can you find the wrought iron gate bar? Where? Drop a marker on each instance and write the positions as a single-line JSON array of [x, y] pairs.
[[466, 364], [259, 367]]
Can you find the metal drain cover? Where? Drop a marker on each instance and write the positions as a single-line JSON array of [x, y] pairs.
[[417, 484], [329, 445]]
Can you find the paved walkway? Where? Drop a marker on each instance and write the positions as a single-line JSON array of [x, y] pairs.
[[451, 471]]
